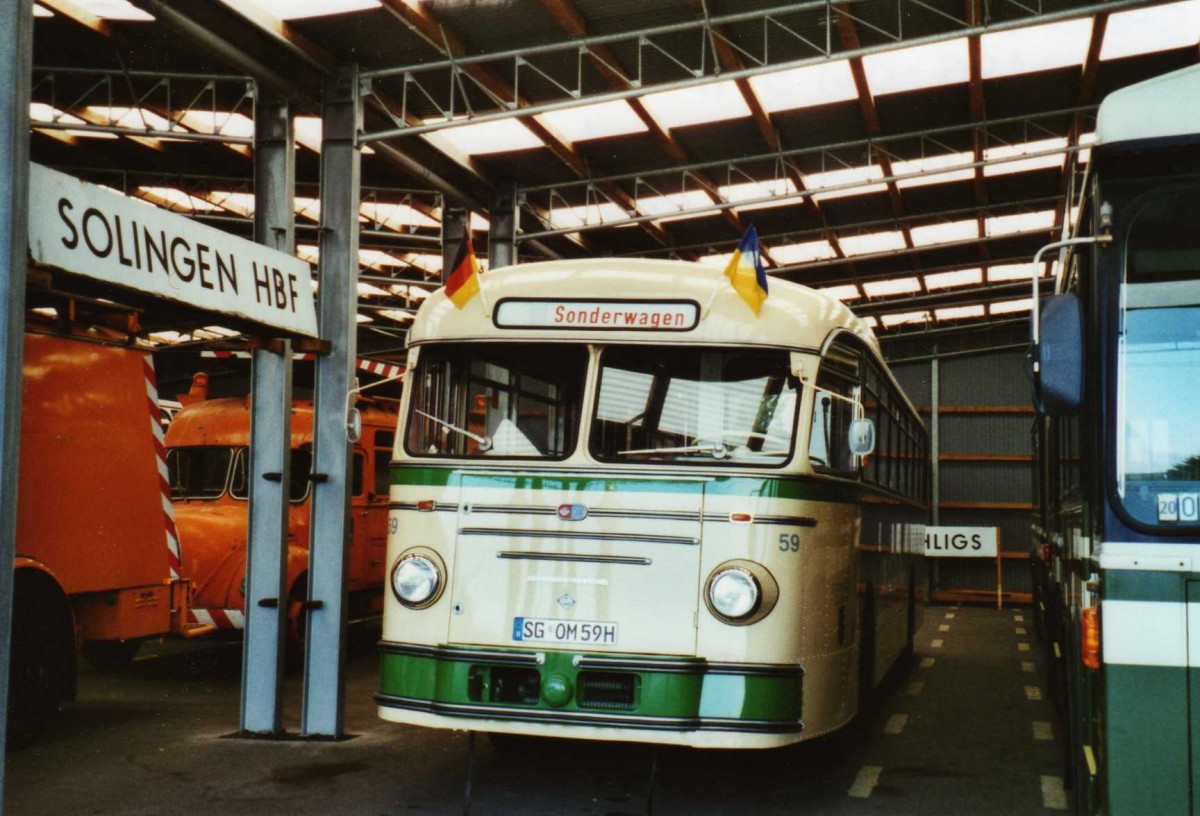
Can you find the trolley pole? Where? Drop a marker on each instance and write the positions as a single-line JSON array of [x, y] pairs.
[[16, 48]]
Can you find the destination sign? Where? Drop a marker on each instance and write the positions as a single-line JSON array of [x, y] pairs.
[[597, 315], [98, 233]]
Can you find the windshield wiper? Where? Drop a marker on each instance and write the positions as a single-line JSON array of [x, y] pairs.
[[717, 449], [485, 442]]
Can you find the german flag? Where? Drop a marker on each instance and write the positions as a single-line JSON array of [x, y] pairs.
[[463, 282]]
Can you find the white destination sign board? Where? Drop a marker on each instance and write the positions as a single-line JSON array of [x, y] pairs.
[[962, 542], [88, 230], [597, 315]]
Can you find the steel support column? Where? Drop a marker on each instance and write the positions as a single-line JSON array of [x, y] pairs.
[[502, 233], [331, 532], [270, 439], [16, 47], [456, 226]]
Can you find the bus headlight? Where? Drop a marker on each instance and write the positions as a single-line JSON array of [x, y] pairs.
[[733, 593], [417, 579], [740, 592]]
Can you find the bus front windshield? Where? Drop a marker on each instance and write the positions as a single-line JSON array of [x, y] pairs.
[[1158, 447], [497, 400], [198, 473], [694, 405]]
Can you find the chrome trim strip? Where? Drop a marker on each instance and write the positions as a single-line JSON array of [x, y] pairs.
[[438, 507], [690, 541], [515, 555], [461, 655], [791, 521]]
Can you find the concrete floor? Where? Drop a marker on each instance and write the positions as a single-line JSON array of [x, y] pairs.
[[959, 735]]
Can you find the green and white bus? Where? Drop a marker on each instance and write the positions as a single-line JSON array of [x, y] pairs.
[[624, 507], [1117, 546]]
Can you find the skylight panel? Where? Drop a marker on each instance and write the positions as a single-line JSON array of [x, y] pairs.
[[371, 290], [41, 11], [673, 205], [299, 9], [719, 260], [132, 118], [843, 293], [240, 203], [1010, 306], [959, 312], [1020, 222], [308, 252], [1148, 30], [377, 259], [115, 10], [702, 104], [220, 123], [409, 292], [177, 200], [426, 262], [306, 130], [957, 277], [41, 112], [895, 286], [927, 170], [852, 180], [362, 318], [568, 217], [819, 84], [1037, 48], [872, 322], [903, 318], [754, 190], [944, 233], [1008, 272], [397, 217], [222, 331], [925, 66], [499, 136], [399, 315], [1017, 165], [594, 121], [802, 253], [309, 208], [873, 242]]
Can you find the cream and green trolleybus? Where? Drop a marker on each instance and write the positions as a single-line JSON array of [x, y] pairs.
[[625, 507]]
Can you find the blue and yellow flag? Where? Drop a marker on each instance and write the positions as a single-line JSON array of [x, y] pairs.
[[745, 271]]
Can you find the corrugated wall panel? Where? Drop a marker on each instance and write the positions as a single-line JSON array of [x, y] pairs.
[[985, 482], [985, 433], [991, 379]]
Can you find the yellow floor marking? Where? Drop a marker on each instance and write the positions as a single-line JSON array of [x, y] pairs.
[[937, 643], [1022, 647], [1019, 618], [895, 724], [1033, 693], [1091, 759], [1028, 666], [1043, 731], [1057, 651], [927, 662], [916, 687], [865, 782], [1054, 797], [945, 627], [1020, 630], [949, 616]]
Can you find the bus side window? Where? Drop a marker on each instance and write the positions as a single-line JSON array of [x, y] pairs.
[[833, 411], [356, 486], [384, 441]]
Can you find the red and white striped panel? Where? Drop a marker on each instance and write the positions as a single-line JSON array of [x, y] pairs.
[[220, 618], [160, 453], [245, 355]]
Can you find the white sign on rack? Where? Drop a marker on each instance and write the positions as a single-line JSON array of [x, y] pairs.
[[961, 542], [98, 233]]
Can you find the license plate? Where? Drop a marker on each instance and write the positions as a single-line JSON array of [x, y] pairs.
[[546, 630]]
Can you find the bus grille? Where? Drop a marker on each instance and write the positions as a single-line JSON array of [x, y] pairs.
[[504, 684], [608, 691]]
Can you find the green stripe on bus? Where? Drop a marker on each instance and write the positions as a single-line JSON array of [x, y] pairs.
[[1147, 771], [1133, 585], [658, 694], [747, 486]]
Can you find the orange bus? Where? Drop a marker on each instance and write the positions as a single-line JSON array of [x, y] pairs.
[[208, 459], [97, 558]]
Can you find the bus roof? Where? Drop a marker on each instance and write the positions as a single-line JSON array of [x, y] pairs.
[[1159, 108], [793, 316]]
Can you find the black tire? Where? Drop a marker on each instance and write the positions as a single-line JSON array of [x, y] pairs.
[[111, 655], [42, 658]]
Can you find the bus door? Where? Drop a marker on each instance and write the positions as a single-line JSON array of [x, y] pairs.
[[577, 562]]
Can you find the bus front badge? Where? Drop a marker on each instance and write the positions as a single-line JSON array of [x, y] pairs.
[[566, 600], [572, 512]]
